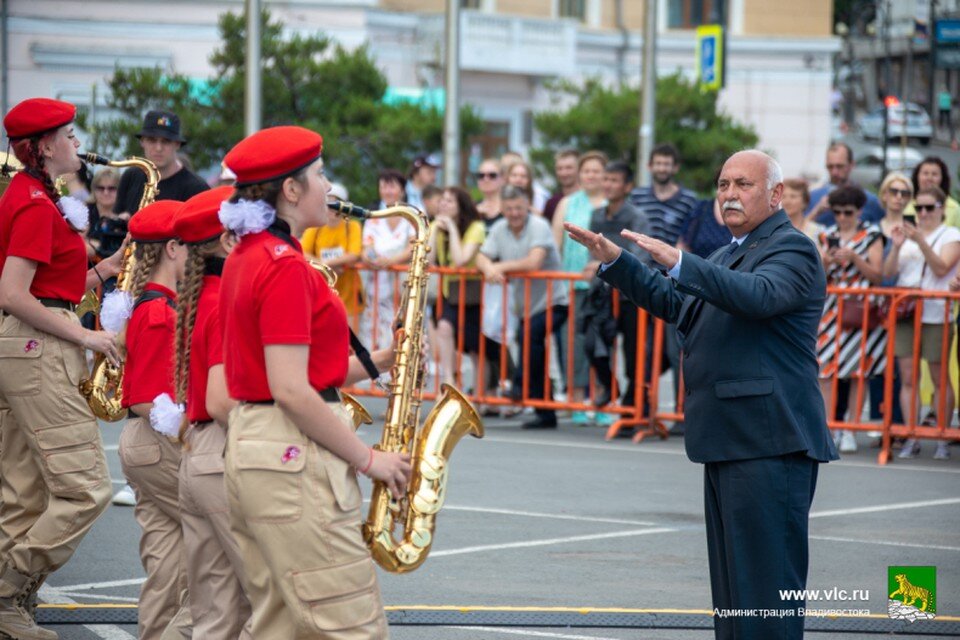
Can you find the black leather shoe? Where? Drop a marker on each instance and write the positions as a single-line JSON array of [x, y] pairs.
[[540, 423]]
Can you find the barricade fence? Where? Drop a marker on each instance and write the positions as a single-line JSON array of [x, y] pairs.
[[514, 337]]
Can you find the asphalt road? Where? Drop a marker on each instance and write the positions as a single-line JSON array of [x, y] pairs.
[[563, 519]]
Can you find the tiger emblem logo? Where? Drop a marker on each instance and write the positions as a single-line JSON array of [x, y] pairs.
[[911, 593]]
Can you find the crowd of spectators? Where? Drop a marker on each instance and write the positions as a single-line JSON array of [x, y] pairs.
[[504, 223]]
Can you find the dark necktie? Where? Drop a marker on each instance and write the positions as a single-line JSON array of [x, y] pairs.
[[727, 255]]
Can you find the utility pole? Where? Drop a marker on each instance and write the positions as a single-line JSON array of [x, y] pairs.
[[451, 114], [253, 94], [888, 88], [4, 63], [648, 90]]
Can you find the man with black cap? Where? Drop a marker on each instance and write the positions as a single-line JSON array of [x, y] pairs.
[[423, 172], [161, 140]]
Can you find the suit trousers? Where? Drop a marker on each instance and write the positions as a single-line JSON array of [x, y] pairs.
[[757, 514], [535, 367], [150, 463], [55, 481], [295, 512], [218, 602]]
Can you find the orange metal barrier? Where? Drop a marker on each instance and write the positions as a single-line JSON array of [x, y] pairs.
[[646, 417]]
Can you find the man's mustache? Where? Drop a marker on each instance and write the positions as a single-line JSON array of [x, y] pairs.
[[732, 204]]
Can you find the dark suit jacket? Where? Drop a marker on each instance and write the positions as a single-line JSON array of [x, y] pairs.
[[749, 335]]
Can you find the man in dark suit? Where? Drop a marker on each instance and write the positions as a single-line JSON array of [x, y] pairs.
[[747, 318]]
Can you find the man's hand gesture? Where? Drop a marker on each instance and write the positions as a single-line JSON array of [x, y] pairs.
[[600, 248]]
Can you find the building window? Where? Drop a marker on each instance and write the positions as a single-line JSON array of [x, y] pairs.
[[572, 9], [470, 4], [690, 14]]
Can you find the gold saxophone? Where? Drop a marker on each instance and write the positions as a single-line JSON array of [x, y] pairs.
[[104, 388], [413, 517]]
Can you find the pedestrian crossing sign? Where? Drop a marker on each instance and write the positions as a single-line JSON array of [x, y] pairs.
[[710, 56]]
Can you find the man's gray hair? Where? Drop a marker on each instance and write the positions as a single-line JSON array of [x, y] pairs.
[[510, 192], [774, 173]]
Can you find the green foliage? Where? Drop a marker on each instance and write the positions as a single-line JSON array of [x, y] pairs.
[[607, 119], [307, 80]]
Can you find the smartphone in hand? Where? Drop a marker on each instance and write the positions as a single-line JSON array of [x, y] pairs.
[[910, 220], [833, 242]]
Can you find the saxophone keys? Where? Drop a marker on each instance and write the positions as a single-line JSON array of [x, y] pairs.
[[432, 467]]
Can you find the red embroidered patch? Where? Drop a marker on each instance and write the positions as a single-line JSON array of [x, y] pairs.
[[292, 453], [30, 346], [37, 193], [280, 249]]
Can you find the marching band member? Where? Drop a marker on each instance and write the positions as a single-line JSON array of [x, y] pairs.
[[291, 452], [55, 480], [149, 451], [218, 603]]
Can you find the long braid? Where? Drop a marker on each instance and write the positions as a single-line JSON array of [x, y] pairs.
[[29, 153], [188, 294], [148, 257]]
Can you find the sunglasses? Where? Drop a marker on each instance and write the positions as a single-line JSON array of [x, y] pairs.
[[926, 207], [480, 175], [903, 193], [103, 187], [845, 211]]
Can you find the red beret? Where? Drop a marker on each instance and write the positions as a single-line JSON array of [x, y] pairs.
[[198, 218], [273, 153], [37, 115], [154, 223]]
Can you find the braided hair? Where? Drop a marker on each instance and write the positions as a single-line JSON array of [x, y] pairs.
[[188, 293], [27, 151]]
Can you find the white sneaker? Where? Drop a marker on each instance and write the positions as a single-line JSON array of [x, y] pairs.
[[911, 449], [848, 444], [125, 497], [942, 452]]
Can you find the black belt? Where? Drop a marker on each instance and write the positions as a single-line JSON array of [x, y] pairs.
[[56, 303], [203, 424], [330, 394]]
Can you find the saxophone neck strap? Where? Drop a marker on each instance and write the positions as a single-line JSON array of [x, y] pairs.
[[363, 354], [147, 296]]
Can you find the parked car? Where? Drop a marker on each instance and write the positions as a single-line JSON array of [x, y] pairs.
[[869, 163], [918, 125]]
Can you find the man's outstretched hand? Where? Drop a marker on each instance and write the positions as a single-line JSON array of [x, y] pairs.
[[661, 252], [599, 247]]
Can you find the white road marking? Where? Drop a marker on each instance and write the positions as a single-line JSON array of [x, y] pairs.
[[103, 631], [555, 516], [889, 543], [531, 634], [575, 445], [111, 447], [552, 541], [897, 506], [93, 596], [97, 585]]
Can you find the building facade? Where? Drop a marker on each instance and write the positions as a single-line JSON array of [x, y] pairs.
[[779, 53]]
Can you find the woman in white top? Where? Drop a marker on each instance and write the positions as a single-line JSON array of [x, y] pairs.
[[386, 243], [925, 256]]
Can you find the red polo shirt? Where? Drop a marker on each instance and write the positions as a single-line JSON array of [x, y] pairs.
[[206, 348], [271, 295], [148, 369], [32, 227]]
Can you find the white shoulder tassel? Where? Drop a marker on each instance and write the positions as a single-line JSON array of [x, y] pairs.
[[247, 216], [75, 212], [166, 415], [116, 309]]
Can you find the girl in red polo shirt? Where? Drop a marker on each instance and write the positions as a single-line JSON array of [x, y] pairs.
[[55, 480], [218, 604], [292, 455], [149, 451]]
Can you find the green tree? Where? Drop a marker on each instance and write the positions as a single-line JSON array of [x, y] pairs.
[[308, 80], [607, 119]]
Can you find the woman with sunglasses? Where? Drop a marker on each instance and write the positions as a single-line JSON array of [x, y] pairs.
[[489, 182], [852, 254], [107, 229], [933, 172], [925, 256]]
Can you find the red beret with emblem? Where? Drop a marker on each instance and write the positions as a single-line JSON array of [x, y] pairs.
[[273, 153], [198, 218], [36, 116], [154, 223]]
